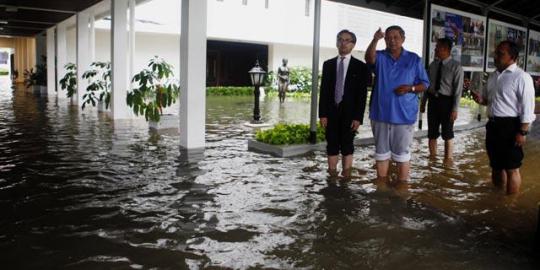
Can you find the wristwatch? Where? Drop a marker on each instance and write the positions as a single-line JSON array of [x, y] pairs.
[[523, 132], [413, 89]]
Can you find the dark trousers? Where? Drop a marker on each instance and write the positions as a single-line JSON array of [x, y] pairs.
[[439, 110], [501, 146], [339, 136]]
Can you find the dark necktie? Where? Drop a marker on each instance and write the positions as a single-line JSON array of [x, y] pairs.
[[438, 78], [338, 94]]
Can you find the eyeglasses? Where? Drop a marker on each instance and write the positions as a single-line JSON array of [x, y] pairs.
[[340, 40]]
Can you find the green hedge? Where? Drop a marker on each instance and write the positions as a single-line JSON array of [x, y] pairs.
[[4, 73], [229, 91], [283, 133]]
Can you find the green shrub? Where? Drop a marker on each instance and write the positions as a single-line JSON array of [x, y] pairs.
[[4, 72], [229, 91], [300, 77], [283, 133]]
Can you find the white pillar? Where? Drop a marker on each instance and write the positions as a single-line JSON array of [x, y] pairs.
[[315, 71], [61, 54], [51, 56], [193, 74], [131, 38], [92, 41], [119, 60], [83, 55]]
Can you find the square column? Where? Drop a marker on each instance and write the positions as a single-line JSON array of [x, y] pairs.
[[61, 55], [83, 55], [51, 57], [193, 74], [119, 60]]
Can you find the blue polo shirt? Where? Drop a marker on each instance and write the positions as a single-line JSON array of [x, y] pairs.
[[386, 106]]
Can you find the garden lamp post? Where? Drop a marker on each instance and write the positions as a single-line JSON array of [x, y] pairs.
[[257, 79]]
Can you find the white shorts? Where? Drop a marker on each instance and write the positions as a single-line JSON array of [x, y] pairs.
[[392, 141]]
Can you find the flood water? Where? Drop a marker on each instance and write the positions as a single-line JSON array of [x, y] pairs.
[[78, 191]]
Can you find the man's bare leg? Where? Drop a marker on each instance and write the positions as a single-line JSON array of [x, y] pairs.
[[448, 149], [347, 162], [513, 181], [432, 148], [382, 168], [403, 171], [498, 178], [332, 165]]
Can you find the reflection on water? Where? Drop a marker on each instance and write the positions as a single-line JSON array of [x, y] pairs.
[[79, 191]]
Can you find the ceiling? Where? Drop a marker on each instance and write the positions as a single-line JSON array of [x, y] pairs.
[[520, 12], [30, 17]]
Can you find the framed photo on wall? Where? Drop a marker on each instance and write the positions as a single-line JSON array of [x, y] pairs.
[[533, 53], [499, 31], [467, 30]]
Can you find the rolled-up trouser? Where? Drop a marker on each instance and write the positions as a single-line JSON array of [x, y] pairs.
[[392, 141]]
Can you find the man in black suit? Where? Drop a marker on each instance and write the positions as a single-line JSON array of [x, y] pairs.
[[342, 102]]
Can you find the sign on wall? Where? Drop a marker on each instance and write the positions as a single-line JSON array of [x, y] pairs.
[[499, 31], [533, 55], [467, 31]]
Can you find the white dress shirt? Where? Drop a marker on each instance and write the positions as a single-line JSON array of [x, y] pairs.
[[346, 62], [510, 94]]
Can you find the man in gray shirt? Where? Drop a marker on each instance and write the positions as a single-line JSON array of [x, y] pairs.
[[443, 97]]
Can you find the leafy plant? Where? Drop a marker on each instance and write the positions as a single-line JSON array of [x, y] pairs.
[[283, 133], [37, 77], [300, 78], [229, 91], [99, 79], [69, 81], [156, 90]]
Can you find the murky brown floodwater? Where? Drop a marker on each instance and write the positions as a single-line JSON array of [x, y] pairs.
[[78, 192]]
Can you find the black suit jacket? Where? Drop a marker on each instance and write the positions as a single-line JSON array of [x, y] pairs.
[[354, 91]]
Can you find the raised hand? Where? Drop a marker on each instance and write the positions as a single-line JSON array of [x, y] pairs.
[[378, 35]]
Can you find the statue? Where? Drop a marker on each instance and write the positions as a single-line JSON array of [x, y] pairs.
[[283, 80]]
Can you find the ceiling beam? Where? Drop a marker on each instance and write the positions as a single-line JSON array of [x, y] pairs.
[[26, 21], [39, 9], [501, 11], [21, 27]]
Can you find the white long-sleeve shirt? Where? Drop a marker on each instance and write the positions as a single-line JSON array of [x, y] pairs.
[[510, 93]]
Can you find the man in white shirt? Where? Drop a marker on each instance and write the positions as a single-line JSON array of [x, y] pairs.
[[509, 95]]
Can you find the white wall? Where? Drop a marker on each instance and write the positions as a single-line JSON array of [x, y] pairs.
[[71, 43], [147, 45], [301, 55]]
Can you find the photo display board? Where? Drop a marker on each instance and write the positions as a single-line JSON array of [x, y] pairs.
[[499, 31], [467, 30], [533, 55]]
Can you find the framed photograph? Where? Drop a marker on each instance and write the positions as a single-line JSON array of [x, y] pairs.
[[499, 31], [533, 53], [466, 30]]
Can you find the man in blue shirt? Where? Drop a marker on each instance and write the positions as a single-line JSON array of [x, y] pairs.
[[400, 76]]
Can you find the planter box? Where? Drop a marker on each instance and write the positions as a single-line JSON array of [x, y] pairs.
[[300, 149], [167, 121], [101, 107]]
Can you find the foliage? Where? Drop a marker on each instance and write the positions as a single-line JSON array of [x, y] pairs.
[[301, 95], [229, 91], [300, 79], [3, 72], [283, 133], [467, 101], [269, 79], [99, 79], [37, 77], [156, 90], [69, 81]]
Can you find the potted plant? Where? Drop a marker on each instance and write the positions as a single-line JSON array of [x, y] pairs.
[[36, 79], [99, 85], [156, 89], [69, 81]]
